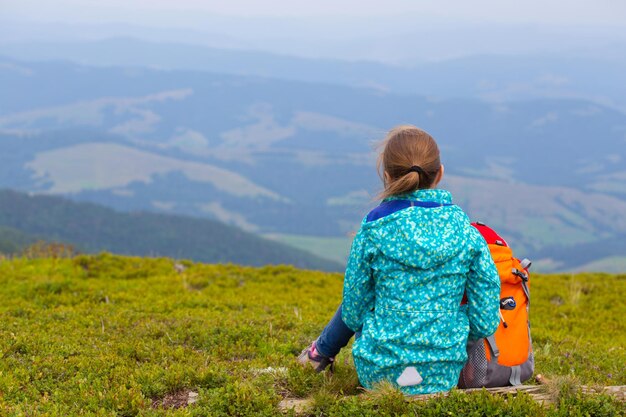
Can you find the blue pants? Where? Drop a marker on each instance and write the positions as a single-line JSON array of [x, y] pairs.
[[335, 336]]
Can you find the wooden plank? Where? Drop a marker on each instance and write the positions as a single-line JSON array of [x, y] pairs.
[[538, 392]]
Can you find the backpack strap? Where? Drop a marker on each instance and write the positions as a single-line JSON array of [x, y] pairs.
[[527, 292], [389, 207], [492, 344], [516, 375], [524, 280]]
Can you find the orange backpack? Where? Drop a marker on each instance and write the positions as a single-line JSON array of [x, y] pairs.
[[506, 357]]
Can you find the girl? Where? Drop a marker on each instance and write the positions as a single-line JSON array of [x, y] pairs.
[[412, 261]]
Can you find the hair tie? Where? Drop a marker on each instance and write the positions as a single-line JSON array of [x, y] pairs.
[[418, 169]]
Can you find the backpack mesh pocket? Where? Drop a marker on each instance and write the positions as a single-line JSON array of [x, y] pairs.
[[474, 373]]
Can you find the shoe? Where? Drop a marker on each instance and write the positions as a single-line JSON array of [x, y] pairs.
[[311, 357]]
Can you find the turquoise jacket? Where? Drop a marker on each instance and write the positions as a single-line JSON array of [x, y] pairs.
[[403, 287]]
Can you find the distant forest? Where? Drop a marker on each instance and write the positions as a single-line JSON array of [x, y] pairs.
[[91, 228]]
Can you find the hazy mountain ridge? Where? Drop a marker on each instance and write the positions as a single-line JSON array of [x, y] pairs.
[[486, 76], [291, 157]]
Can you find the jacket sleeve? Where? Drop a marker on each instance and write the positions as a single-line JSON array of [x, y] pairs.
[[483, 293], [358, 284]]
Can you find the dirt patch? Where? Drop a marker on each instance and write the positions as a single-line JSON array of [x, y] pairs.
[[178, 399]]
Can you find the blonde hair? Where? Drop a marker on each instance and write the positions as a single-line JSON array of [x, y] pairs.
[[410, 158]]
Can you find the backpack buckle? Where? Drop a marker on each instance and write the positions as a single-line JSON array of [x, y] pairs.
[[520, 274]]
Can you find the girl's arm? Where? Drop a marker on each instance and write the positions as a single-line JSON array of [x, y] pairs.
[[483, 293], [358, 283]]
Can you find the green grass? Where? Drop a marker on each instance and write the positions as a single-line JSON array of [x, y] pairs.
[[578, 326], [111, 336]]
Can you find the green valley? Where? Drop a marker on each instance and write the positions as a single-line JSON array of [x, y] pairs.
[[334, 248]]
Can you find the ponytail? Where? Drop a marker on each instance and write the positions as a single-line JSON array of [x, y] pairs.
[[409, 161]]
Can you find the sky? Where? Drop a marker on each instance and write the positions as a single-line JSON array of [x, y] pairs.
[[186, 12], [401, 32]]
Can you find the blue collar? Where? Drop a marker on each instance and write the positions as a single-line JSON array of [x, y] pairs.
[[392, 204], [430, 194]]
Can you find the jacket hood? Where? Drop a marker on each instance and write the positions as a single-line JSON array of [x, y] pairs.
[[421, 237]]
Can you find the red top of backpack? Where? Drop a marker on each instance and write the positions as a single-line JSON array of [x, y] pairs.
[[489, 234]]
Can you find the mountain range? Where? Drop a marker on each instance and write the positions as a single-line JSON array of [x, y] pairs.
[[295, 158], [595, 76]]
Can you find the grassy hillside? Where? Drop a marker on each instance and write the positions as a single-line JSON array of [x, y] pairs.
[[117, 336], [13, 241], [94, 228]]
